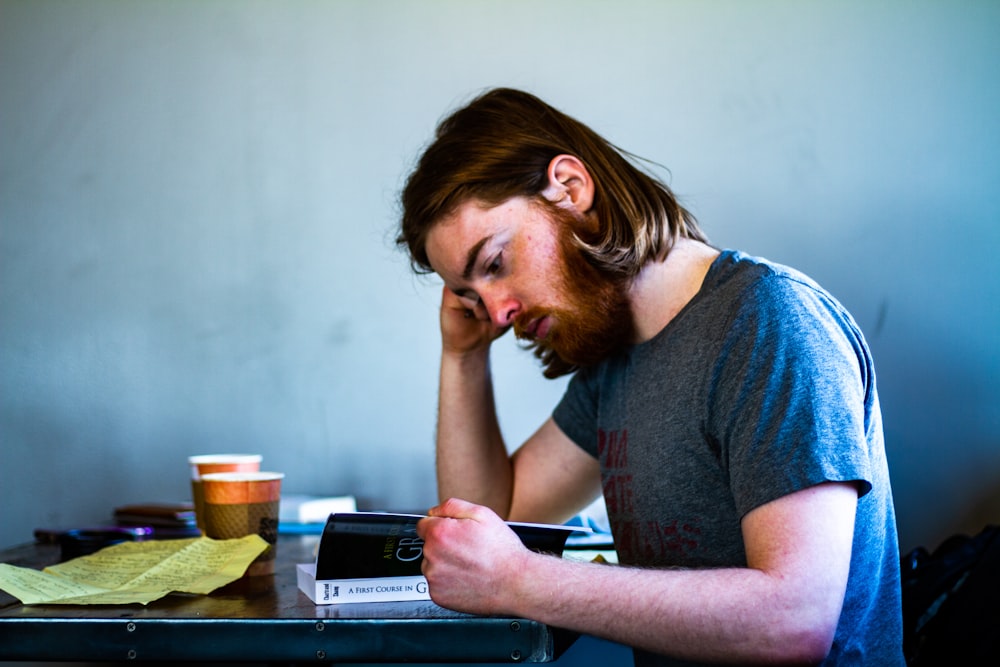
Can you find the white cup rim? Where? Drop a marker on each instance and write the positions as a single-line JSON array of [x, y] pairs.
[[242, 476], [225, 458]]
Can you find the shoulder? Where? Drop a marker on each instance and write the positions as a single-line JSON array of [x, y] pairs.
[[775, 295], [759, 277], [777, 319]]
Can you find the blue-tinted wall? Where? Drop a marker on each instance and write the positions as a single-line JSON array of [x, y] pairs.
[[197, 203]]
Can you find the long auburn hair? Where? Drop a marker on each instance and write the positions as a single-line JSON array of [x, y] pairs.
[[499, 146]]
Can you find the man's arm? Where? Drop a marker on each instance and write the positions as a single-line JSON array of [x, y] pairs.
[[547, 480], [783, 607], [472, 460]]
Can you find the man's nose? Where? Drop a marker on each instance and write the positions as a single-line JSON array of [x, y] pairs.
[[502, 309]]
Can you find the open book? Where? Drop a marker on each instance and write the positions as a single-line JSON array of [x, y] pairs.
[[376, 557]]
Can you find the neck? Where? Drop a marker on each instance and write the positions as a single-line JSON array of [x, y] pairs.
[[662, 289]]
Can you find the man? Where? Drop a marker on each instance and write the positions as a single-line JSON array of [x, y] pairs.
[[725, 407]]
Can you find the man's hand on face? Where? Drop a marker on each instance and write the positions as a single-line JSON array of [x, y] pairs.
[[471, 558], [465, 329]]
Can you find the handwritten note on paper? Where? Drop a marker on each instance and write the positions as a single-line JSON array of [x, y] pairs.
[[133, 572]]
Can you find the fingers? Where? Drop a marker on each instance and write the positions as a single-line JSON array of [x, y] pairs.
[[465, 327], [467, 308], [456, 508], [440, 521]]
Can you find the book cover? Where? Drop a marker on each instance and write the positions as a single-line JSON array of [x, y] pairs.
[[376, 557]]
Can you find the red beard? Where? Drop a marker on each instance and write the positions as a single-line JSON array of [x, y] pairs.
[[593, 320]]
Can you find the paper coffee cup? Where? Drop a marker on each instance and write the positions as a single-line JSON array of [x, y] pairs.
[[244, 503], [204, 464]]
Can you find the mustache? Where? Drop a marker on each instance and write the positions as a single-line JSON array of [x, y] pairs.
[[526, 324]]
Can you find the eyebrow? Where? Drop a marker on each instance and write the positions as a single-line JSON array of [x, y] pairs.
[[470, 262]]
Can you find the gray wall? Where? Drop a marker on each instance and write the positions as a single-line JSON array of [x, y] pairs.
[[197, 204]]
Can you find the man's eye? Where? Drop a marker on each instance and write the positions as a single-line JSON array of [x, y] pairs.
[[495, 266]]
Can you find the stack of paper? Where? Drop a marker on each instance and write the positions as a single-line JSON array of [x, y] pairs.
[[306, 509]]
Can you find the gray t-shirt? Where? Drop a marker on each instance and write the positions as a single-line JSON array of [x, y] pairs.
[[761, 386]]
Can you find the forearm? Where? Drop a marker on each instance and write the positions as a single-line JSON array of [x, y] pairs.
[[783, 606], [472, 459], [733, 615]]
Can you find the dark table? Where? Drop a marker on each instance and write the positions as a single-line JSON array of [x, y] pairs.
[[261, 619]]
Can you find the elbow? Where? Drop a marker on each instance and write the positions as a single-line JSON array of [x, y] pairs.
[[803, 626], [794, 634], [803, 643], [811, 650]]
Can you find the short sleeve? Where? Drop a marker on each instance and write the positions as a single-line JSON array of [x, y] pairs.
[[576, 413], [790, 397]]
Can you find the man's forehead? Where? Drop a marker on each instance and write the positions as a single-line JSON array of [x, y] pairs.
[[453, 243], [467, 221], [470, 207]]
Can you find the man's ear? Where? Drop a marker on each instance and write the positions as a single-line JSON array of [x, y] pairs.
[[570, 184]]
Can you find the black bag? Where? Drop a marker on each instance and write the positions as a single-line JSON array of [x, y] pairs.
[[951, 602]]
